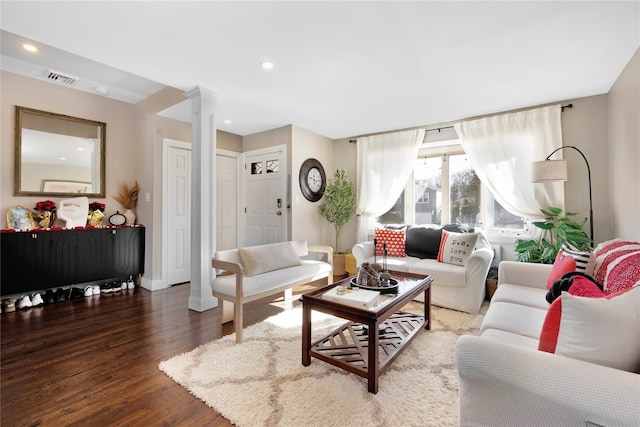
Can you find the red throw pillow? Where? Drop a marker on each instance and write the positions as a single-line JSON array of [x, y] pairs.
[[561, 266], [394, 239], [581, 286]]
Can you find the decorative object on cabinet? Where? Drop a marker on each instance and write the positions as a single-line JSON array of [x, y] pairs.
[[74, 211], [117, 219], [19, 218], [96, 214], [46, 215], [38, 133], [128, 198], [312, 180]]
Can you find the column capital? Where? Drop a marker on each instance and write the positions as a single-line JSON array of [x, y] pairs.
[[202, 93]]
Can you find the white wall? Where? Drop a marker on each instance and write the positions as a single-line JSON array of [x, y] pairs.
[[624, 153]]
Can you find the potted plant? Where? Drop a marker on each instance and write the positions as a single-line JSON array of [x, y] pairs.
[[337, 207], [556, 230]]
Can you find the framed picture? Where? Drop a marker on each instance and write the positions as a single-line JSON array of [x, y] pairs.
[[62, 186], [19, 218]]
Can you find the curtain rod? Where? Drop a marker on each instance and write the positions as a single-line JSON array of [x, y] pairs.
[[353, 141]]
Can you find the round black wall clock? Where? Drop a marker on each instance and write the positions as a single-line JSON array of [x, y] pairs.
[[312, 180]]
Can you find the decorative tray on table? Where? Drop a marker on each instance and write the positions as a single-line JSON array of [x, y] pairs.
[[391, 288]]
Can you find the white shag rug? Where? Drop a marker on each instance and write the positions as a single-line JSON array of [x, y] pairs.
[[262, 382]]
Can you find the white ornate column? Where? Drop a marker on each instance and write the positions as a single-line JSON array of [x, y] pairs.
[[203, 198]]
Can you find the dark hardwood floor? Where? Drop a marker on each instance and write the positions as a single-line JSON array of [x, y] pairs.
[[94, 361]]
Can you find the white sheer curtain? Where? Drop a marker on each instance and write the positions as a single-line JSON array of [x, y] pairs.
[[501, 150], [384, 164]]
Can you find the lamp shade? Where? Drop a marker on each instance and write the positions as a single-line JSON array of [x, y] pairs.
[[549, 170]]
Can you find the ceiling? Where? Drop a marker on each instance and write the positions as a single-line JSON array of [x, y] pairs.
[[341, 69]]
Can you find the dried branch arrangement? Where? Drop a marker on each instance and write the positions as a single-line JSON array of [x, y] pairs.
[[128, 196]]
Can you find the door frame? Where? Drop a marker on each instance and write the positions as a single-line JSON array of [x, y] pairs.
[[166, 144], [239, 188]]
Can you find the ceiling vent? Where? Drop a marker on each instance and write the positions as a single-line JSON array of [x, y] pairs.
[[57, 76]]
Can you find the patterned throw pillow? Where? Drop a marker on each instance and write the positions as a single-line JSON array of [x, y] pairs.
[[394, 239], [455, 248], [585, 260], [617, 265]]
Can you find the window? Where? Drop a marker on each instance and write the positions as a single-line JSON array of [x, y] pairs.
[[447, 190]]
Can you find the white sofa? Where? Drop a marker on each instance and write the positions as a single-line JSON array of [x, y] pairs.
[[265, 270], [506, 381], [457, 287]]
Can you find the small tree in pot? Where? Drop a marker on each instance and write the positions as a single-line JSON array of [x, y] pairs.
[[337, 208]]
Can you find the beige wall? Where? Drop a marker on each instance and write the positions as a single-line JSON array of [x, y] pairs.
[[119, 117], [623, 204], [306, 221]]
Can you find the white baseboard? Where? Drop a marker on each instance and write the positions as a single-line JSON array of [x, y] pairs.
[[153, 285]]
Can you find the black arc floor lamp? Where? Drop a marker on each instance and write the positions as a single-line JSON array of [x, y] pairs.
[[556, 170]]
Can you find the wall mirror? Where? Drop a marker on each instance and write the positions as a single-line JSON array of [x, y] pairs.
[[58, 155]]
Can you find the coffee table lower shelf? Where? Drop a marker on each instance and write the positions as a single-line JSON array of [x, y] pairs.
[[347, 346]]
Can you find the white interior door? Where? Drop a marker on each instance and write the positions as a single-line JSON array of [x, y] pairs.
[[226, 201], [265, 196], [178, 213]]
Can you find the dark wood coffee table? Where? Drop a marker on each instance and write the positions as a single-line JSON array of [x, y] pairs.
[[347, 347]]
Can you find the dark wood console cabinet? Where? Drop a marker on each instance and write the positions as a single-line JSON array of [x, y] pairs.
[[42, 259]]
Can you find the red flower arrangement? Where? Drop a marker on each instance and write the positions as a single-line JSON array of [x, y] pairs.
[[97, 206], [47, 205]]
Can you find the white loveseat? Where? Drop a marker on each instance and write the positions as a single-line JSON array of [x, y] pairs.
[[454, 286], [265, 270], [506, 381]]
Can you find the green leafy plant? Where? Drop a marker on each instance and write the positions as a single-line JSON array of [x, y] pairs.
[[556, 230], [339, 202]]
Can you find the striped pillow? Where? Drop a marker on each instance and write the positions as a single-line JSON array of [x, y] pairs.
[[585, 260]]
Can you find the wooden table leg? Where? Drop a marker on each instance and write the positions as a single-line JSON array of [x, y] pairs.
[[306, 335], [372, 359]]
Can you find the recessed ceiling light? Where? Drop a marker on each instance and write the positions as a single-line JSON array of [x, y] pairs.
[[227, 121], [102, 91], [29, 47], [267, 65], [80, 148], [63, 158]]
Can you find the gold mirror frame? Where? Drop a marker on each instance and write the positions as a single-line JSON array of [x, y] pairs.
[[60, 126]]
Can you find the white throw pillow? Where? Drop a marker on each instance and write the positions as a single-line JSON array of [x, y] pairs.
[[260, 259], [602, 330], [455, 248]]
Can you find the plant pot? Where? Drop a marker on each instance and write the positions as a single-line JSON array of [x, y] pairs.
[[339, 265]]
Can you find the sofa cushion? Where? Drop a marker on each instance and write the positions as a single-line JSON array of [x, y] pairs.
[[580, 286], [585, 260], [605, 331], [561, 266], [455, 248], [608, 255], [264, 258], [510, 338], [394, 241], [423, 241], [514, 318], [523, 295], [443, 274]]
